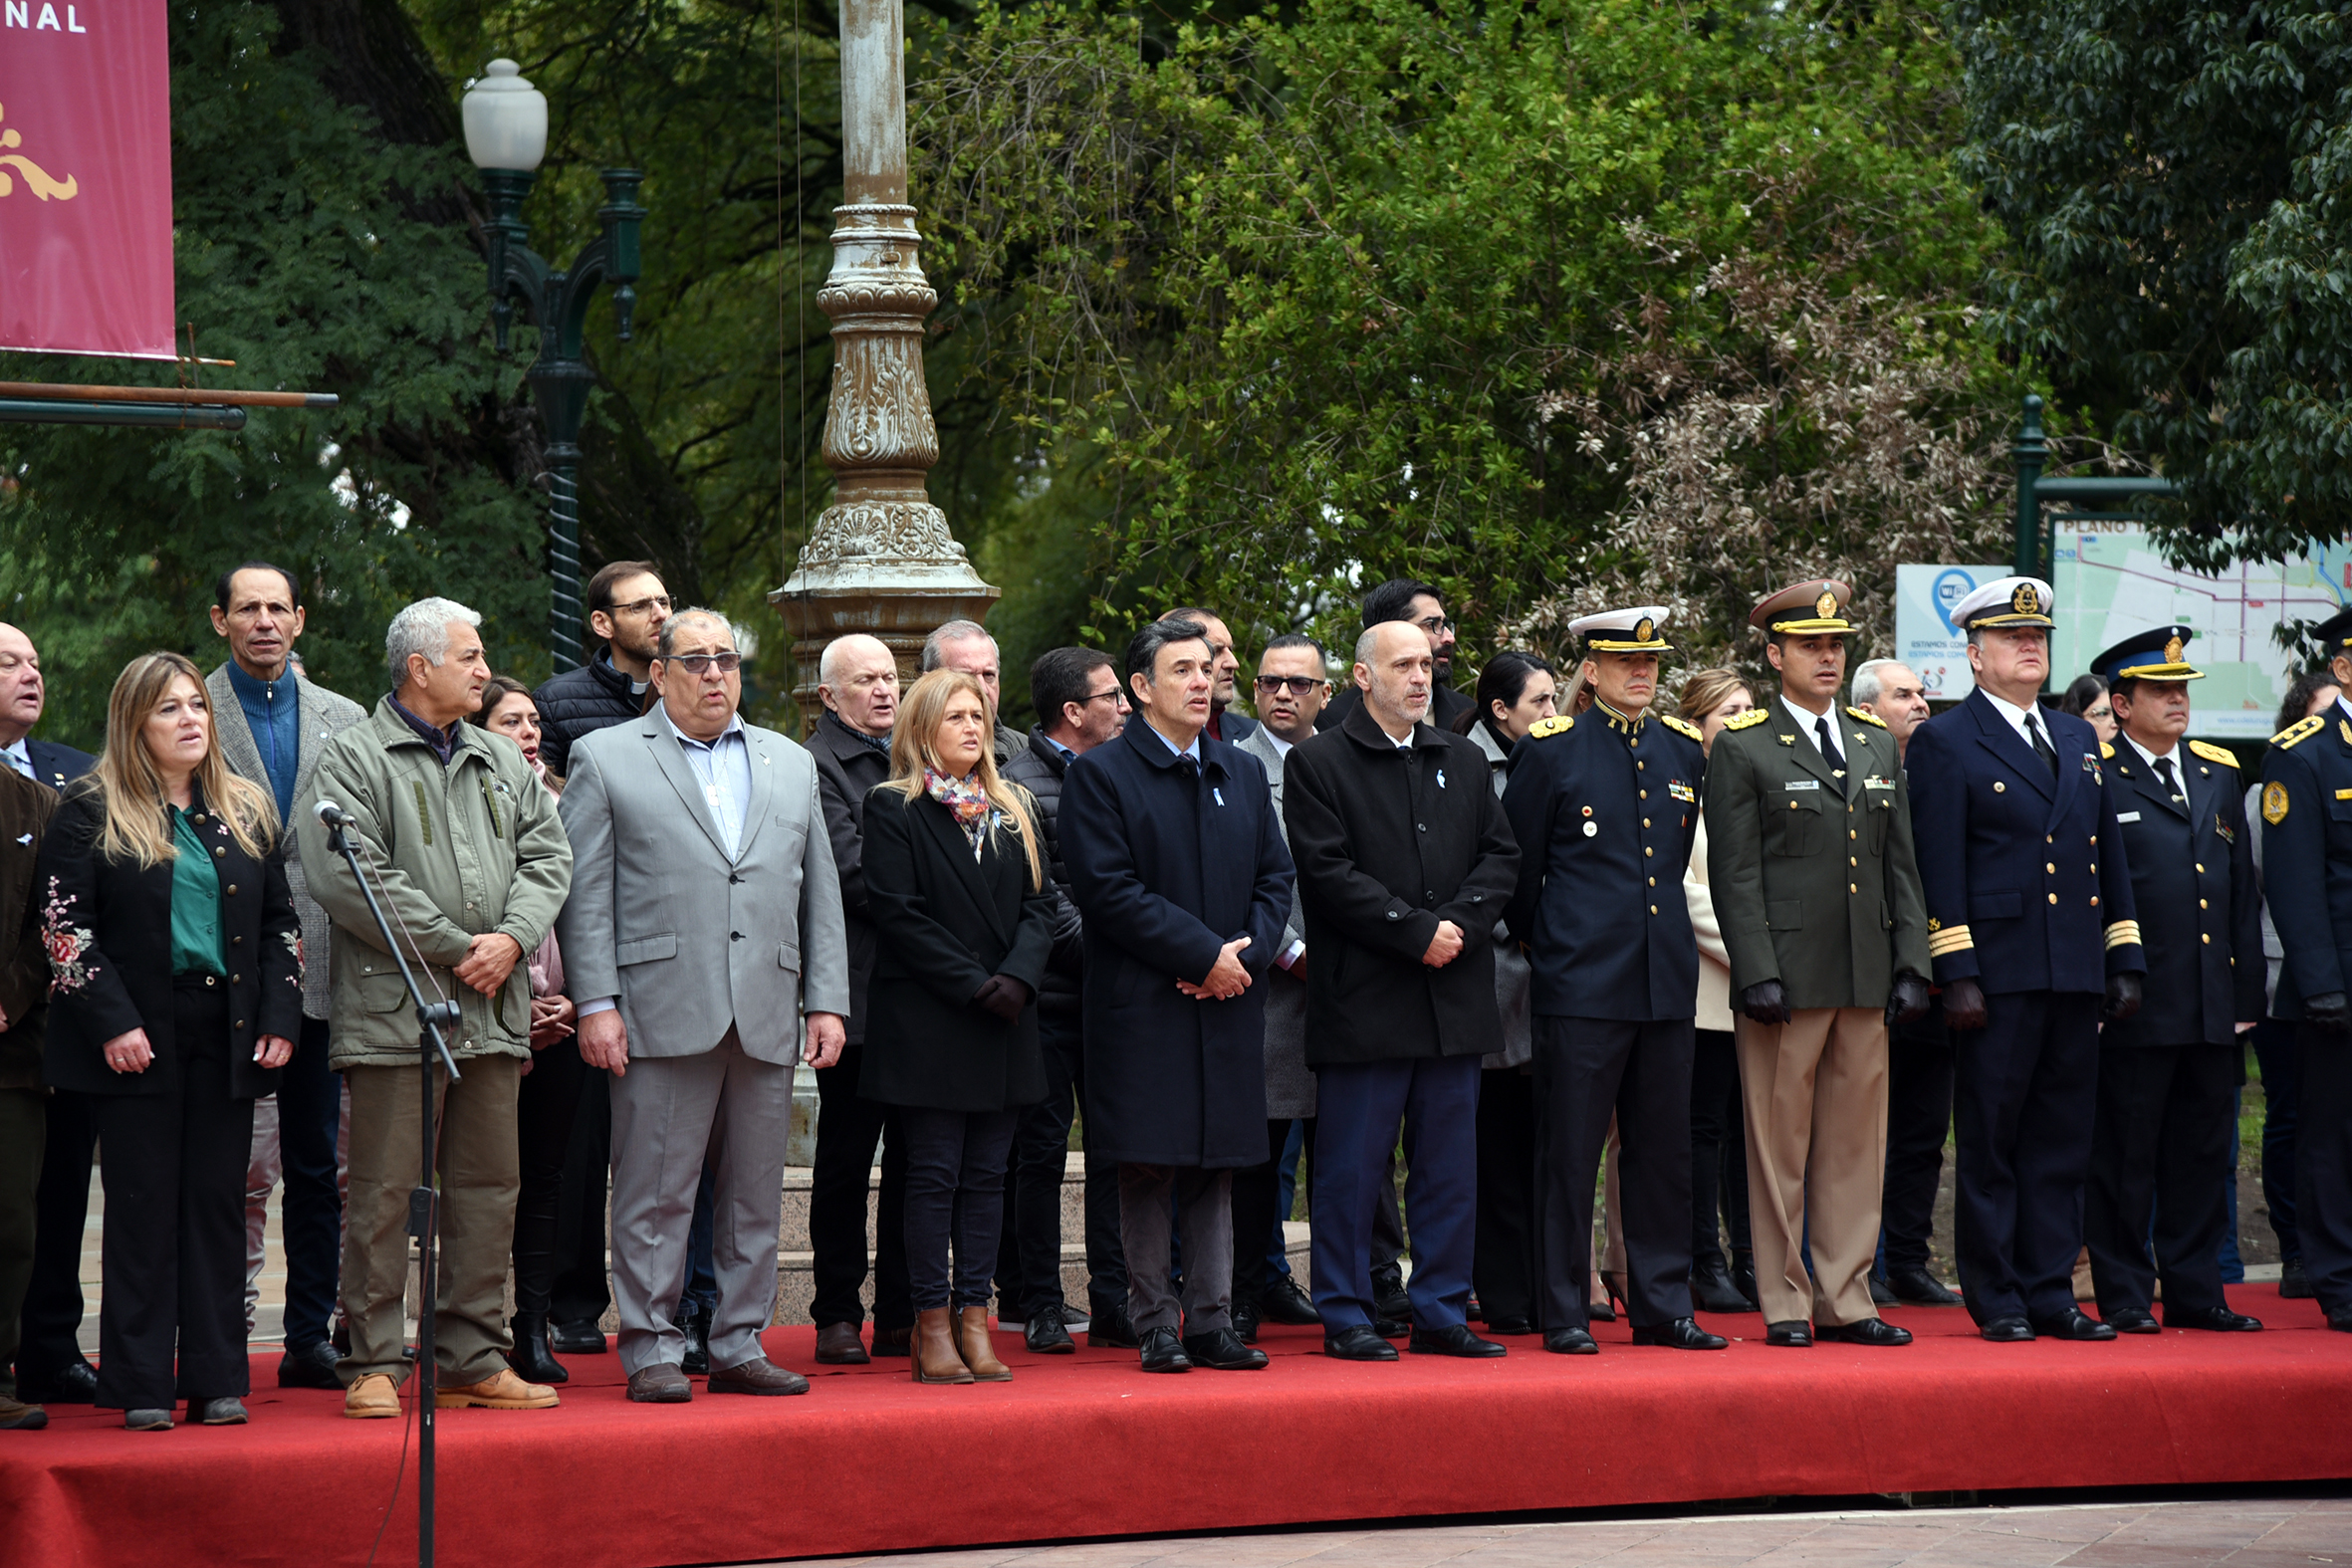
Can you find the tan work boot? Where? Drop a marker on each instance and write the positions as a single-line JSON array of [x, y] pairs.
[[502, 1390], [373, 1397], [979, 1354], [935, 1359], [17, 1416]]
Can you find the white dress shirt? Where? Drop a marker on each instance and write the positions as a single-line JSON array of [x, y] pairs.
[[1806, 721], [2016, 720]]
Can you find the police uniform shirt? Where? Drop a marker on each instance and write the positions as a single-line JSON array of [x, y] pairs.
[[2194, 893]]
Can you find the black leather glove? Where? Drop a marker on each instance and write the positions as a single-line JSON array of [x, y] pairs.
[[1908, 1003], [1003, 995], [1765, 1003], [1964, 1005], [2328, 1013], [2123, 998]]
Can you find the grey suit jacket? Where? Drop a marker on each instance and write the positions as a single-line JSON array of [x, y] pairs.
[[690, 941], [1289, 1082], [323, 712]]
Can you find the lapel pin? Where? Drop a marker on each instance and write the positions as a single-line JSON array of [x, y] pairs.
[[1441, 778], [1219, 793]]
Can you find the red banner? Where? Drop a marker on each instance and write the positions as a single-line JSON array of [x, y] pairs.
[[85, 178]]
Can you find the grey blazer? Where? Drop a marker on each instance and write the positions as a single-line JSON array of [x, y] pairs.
[[1289, 1082], [321, 714], [689, 941]]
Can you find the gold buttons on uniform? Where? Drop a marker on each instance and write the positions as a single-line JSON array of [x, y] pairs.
[[1647, 850], [1645, 821], [1850, 861], [1653, 881], [2054, 898], [1653, 909], [2201, 868], [1644, 793], [2205, 936], [1999, 788], [2050, 867], [2201, 903], [1851, 888], [2094, 900], [1850, 832]]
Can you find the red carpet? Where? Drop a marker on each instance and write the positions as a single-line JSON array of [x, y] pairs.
[[1090, 1446]]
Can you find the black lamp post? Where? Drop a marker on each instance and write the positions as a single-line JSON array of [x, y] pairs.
[[506, 135]]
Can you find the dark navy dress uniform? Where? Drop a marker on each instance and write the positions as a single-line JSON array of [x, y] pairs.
[[2029, 894], [1604, 809], [2307, 876], [2162, 1147]]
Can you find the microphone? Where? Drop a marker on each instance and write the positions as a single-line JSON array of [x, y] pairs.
[[334, 815]]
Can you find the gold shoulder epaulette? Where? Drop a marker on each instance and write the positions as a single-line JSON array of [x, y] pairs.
[[1867, 717], [2106, 752], [1681, 726], [2215, 753], [2301, 731], [1558, 724], [1752, 717]]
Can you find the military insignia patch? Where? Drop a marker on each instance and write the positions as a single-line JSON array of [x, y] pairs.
[[2172, 650], [2026, 602], [1682, 727], [1554, 725], [1681, 792], [2274, 802], [1933, 924], [1826, 605], [2215, 753], [2107, 752], [2229, 833], [2299, 732], [1867, 717], [1644, 629], [1753, 716]]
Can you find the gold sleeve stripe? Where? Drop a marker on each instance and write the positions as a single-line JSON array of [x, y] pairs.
[[2122, 932], [1952, 939]]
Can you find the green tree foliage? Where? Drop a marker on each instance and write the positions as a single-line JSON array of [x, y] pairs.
[[300, 257], [2176, 182]]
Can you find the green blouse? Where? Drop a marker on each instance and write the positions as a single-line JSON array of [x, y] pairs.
[[197, 945]]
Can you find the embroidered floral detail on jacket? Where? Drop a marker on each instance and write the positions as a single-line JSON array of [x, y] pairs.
[[65, 942], [293, 941]]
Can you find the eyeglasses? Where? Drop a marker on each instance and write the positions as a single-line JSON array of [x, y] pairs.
[[1296, 685], [1434, 626], [696, 663], [1113, 695], [642, 607]]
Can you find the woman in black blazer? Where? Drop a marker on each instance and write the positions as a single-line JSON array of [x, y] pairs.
[[176, 960], [964, 918]]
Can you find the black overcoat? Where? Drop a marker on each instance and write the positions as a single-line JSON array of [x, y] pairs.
[[1390, 842], [1168, 863], [846, 768], [108, 927], [943, 924]]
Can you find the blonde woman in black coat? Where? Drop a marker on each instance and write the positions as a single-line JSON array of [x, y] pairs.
[[964, 918], [177, 967]]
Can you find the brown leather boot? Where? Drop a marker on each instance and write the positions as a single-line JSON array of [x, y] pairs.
[[979, 1354], [935, 1359]]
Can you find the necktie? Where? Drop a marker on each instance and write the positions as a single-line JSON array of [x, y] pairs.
[[2042, 745], [2164, 770], [1828, 742]]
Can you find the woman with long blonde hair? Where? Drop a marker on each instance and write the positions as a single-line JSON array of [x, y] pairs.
[[176, 962], [964, 917]]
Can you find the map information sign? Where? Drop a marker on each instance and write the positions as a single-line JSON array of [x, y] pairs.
[[1924, 637]]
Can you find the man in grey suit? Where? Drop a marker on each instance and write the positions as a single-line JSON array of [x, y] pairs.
[[273, 723], [705, 919]]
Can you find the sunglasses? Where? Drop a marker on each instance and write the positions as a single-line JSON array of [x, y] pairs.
[[696, 663], [1296, 685]]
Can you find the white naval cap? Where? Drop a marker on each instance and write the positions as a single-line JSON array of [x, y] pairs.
[[2006, 601], [1631, 630]]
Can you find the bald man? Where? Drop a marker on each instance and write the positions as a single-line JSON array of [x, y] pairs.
[[857, 681]]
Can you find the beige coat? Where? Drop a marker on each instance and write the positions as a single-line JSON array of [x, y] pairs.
[[1715, 960]]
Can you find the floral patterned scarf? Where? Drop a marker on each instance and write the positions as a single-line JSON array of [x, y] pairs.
[[963, 798]]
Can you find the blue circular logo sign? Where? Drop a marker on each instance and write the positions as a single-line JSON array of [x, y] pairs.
[[1951, 587]]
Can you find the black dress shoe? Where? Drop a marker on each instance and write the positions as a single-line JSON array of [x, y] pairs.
[[1047, 1335], [1111, 1330], [696, 1325], [1918, 1287], [1391, 1328], [1882, 1293], [1221, 1350], [838, 1345], [1713, 1290], [1390, 1299], [1284, 1302], [1794, 1334], [1870, 1332], [2341, 1322], [1743, 1278], [2006, 1331], [1164, 1351], [2132, 1320], [1507, 1324], [1357, 1343], [532, 1358], [894, 1341], [1602, 1310], [2071, 1324], [2219, 1319], [1245, 1321], [76, 1384], [1569, 1342], [1453, 1340], [1680, 1333], [2293, 1282], [312, 1367], [581, 1337]]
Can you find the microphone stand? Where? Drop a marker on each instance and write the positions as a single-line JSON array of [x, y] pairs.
[[423, 1213]]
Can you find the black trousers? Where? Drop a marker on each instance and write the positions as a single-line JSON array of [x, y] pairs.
[[51, 1319], [2025, 1096], [2323, 1166], [1585, 1069], [310, 1111], [848, 1131], [2280, 1061], [1719, 1147], [1029, 1257], [1256, 1210], [2160, 1148], [175, 1247], [955, 1202], [582, 1288], [1503, 1263], [24, 1130], [1918, 1120], [545, 1107]]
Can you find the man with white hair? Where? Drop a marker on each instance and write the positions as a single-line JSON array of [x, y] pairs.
[[470, 864], [965, 645]]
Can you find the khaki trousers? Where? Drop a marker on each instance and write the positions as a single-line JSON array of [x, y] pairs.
[[480, 1177], [1814, 1094]]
